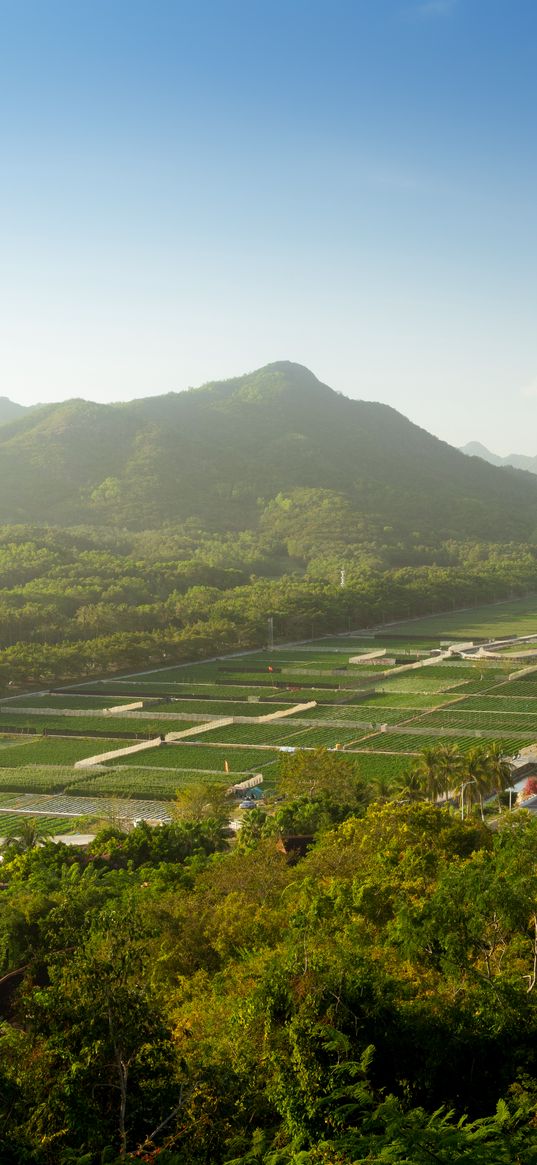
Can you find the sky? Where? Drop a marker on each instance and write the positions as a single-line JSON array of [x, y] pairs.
[[191, 189]]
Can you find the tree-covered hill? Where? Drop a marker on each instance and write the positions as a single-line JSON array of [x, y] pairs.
[[221, 454]]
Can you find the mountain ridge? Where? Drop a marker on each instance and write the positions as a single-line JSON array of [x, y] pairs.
[[220, 454], [516, 460], [9, 410]]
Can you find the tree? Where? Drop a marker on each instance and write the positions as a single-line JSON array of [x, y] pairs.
[[199, 801], [107, 1063], [529, 790], [319, 772], [436, 770]]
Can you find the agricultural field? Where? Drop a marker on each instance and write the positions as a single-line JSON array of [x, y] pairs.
[[51, 751], [495, 620], [285, 733], [139, 783], [38, 779], [453, 701], [49, 700], [11, 824], [96, 725], [208, 759]]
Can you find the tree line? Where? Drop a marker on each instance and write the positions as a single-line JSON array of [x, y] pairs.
[[77, 603]]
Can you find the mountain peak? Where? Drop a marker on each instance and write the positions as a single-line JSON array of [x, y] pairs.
[[515, 460]]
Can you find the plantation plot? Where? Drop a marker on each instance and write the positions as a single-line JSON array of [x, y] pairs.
[[414, 744], [286, 733], [139, 783], [53, 700], [374, 766], [7, 741], [364, 716], [11, 824], [526, 687], [213, 708], [491, 723], [420, 681], [196, 756], [495, 620], [138, 690], [495, 701], [50, 751], [77, 806], [102, 725], [45, 779]]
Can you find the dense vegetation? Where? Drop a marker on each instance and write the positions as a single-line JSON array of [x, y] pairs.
[[362, 994], [372, 1001], [264, 450], [79, 602]]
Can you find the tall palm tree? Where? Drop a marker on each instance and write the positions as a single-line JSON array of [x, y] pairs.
[[476, 777], [382, 787], [500, 771], [436, 770], [409, 785], [28, 834]]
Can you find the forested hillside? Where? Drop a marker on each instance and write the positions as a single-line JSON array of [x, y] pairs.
[[274, 446], [372, 1004]]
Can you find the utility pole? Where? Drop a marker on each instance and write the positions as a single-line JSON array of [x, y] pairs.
[[270, 633]]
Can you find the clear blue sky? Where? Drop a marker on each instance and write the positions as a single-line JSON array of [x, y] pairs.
[[193, 188]]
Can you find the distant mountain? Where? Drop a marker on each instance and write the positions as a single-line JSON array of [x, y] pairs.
[[9, 410], [516, 460], [262, 447]]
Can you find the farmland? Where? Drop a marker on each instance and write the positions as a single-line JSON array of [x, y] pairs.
[[380, 714]]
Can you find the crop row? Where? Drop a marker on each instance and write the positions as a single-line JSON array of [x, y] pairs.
[[419, 681], [37, 779], [221, 707], [52, 700], [12, 823], [513, 618], [196, 756], [524, 687], [407, 743], [499, 703], [103, 725], [362, 714], [286, 733], [52, 751], [158, 785], [490, 722]]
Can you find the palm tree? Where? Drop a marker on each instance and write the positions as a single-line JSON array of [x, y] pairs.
[[436, 771], [28, 834], [476, 777], [382, 788], [409, 785], [500, 772]]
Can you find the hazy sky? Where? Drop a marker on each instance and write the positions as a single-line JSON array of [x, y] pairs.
[[193, 188]]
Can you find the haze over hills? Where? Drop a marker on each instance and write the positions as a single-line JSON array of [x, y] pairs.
[[516, 460], [222, 453], [9, 410]]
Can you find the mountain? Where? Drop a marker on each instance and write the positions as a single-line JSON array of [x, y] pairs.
[[9, 410], [516, 460], [273, 442]]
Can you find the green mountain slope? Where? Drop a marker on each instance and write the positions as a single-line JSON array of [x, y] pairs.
[[212, 453]]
